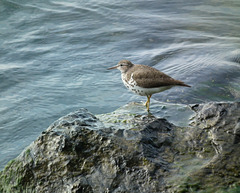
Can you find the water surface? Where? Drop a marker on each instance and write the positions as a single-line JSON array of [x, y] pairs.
[[54, 56]]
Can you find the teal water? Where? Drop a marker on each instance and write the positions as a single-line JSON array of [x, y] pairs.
[[54, 56]]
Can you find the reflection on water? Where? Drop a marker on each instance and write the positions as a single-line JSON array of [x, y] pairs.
[[54, 56]]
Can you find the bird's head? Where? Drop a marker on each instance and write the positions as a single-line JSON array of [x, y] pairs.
[[123, 66]]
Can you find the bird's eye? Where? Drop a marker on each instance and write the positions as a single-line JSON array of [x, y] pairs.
[[121, 64]]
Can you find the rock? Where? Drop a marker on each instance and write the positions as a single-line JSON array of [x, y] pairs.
[[84, 153], [221, 122]]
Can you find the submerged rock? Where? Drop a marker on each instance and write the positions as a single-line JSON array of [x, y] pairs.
[[83, 153]]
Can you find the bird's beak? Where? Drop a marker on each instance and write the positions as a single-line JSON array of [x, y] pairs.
[[114, 67]]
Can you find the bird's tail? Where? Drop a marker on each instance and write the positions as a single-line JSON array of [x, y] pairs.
[[183, 84]]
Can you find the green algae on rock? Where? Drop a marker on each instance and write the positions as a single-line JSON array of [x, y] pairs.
[[80, 153]]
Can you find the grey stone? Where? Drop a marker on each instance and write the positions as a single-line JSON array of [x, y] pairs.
[[81, 152]]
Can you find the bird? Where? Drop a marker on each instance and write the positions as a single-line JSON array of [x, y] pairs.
[[145, 80]]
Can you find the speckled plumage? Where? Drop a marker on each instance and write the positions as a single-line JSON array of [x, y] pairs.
[[145, 80]]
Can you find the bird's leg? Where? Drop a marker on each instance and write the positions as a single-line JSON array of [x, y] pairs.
[[148, 100], [147, 104]]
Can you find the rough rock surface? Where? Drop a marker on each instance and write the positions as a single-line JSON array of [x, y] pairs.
[[78, 153]]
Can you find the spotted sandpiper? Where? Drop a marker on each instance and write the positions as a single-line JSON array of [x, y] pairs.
[[145, 80]]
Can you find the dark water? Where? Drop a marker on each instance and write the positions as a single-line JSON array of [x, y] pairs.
[[54, 55]]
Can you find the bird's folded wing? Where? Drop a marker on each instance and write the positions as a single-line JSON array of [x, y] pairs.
[[150, 79]]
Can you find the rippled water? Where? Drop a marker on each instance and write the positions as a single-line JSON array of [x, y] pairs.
[[54, 55]]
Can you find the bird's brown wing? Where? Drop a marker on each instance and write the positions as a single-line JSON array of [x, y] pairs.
[[148, 77]]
